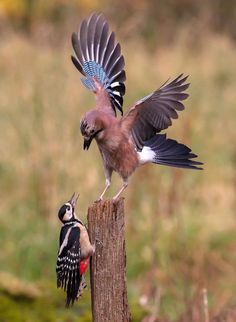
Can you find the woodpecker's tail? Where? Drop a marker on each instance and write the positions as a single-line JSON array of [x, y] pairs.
[[99, 56], [168, 152]]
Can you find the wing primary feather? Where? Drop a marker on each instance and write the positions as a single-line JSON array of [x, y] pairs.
[[83, 39], [90, 35], [97, 36], [77, 64], [98, 56], [77, 49], [113, 55], [116, 66], [104, 43], [156, 110], [109, 48]]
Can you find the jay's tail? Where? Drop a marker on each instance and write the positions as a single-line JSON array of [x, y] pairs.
[[168, 152], [99, 56]]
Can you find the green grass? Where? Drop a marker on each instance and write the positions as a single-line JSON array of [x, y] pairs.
[[180, 224]]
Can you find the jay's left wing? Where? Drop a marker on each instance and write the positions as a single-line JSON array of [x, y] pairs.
[[98, 57], [155, 112]]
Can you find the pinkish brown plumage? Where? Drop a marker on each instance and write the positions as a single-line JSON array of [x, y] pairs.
[[132, 140]]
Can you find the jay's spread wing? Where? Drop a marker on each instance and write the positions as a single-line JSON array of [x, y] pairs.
[[155, 112], [68, 263], [98, 57]]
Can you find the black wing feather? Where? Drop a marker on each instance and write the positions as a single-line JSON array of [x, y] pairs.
[[99, 56], [68, 263], [156, 111]]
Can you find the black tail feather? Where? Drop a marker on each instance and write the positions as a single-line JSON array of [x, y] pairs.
[[171, 153]]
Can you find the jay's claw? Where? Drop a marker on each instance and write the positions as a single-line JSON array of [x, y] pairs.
[[99, 199]]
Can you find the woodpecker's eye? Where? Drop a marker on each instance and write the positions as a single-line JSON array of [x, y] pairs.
[[68, 208]]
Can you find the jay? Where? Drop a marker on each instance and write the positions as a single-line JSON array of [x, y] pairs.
[[132, 140]]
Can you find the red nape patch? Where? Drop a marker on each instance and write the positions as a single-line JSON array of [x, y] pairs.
[[83, 266]]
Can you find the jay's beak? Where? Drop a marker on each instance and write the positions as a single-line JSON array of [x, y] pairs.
[[87, 142]]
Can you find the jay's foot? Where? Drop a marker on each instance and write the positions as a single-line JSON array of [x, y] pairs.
[[99, 199]]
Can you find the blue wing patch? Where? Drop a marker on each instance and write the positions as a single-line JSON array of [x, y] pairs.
[[93, 69]]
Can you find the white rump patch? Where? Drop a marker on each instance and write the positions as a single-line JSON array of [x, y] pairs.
[[146, 155]]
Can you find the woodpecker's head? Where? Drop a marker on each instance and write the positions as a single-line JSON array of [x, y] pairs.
[[67, 212], [91, 126]]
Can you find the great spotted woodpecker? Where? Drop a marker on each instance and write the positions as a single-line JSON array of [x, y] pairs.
[[74, 252]]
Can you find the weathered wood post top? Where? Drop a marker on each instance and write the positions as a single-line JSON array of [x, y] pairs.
[[108, 265]]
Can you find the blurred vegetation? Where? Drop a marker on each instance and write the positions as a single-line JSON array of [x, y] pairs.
[[181, 232], [150, 20]]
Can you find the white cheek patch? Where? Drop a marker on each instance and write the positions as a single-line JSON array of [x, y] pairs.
[[67, 216]]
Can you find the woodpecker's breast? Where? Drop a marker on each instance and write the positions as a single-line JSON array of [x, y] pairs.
[[87, 249]]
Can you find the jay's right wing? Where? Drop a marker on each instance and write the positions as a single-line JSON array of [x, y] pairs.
[[155, 112], [98, 57]]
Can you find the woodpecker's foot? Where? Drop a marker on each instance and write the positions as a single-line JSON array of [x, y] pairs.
[[98, 241], [94, 247]]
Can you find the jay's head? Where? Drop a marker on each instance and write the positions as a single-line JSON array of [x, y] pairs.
[[67, 212], [91, 126]]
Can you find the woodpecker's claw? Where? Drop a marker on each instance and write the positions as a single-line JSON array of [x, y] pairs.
[[98, 241]]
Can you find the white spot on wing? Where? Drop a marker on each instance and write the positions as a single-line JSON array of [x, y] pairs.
[[115, 84], [116, 93]]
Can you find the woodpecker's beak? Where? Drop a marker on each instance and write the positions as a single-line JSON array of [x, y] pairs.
[[73, 199], [87, 142]]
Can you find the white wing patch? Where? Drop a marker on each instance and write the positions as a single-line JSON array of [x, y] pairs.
[[65, 241]]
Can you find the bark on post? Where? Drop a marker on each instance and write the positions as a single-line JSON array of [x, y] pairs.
[[108, 264]]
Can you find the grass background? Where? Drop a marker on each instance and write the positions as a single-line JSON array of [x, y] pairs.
[[180, 224]]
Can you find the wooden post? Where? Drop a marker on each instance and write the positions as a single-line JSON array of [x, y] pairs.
[[108, 264]]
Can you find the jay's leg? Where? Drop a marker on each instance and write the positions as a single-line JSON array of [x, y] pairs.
[[108, 173], [125, 185]]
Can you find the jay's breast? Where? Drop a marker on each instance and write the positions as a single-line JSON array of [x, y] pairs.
[[123, 159]]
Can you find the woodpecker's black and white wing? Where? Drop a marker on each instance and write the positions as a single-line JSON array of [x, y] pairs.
[[155, 112], [98, 55], [68, 262]]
